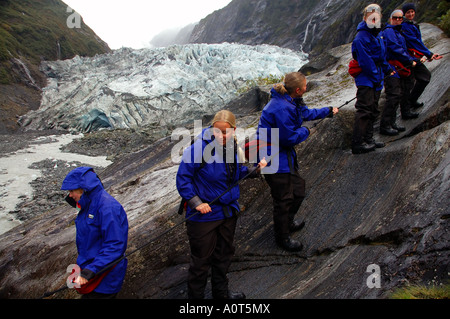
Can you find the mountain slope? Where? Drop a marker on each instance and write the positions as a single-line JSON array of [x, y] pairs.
[[32, 31], [296, 24]]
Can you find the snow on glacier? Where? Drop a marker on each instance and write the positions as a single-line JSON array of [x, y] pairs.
[[159, 86]]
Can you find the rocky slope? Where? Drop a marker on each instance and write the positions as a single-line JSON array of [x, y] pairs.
[[388, 208]]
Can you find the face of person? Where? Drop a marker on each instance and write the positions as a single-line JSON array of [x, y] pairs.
[[76, 194], [410, 14], [300, 90], [223, 132], [373, 20], [397, 19]]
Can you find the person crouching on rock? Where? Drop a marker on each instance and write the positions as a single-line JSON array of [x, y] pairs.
[[209, 167], [281, 127], [101, 235], [369, 50]]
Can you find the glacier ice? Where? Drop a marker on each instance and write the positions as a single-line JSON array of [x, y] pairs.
[[160, 86]]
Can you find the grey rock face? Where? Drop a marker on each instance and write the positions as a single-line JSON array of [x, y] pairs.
[[387, 210]]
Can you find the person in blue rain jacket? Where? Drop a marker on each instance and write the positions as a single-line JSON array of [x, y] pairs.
[[101, 232], [209, 167], [281, 127], [369, 50], [421, 76], [395, 86]]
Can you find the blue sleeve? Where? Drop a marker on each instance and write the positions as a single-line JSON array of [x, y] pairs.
[[314, 114], [114, 229], [190, 163], [290, 133], [414, 39], [396, 50]]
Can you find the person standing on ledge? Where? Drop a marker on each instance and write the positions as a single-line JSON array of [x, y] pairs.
[[209, 172], [281, 125], [417, 49], [369, 50], [397, 56]]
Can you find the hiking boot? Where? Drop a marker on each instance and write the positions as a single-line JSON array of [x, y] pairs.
[[388, 131], [289, 244], [416, 105], [398, 128], [362, 148], [296, 226], [376, 144], [229, 295], [410, 115]]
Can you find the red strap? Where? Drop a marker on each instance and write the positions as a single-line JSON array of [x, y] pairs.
[[415, 53], [402, 71], [252, 149], [92, 283]]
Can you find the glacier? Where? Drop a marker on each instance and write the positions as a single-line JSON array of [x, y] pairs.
[[170, 86]]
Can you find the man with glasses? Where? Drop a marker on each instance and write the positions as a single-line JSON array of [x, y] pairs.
[[417, 49]]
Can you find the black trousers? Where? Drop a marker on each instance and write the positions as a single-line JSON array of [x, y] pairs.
[[212, 248], [288, 193], [407, 85], [422, 77], [366, 114], [393, 89]]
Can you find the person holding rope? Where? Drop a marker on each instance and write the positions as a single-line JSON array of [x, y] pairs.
[[369, 51], [280, 127], [399, 58], [421, 76], [101, 234], [208, 168]]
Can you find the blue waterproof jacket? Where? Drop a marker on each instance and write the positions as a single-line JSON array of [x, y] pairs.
[[370, 52], [286, 116], [202, 183], [413, 37], [396, 46], [102, 229]]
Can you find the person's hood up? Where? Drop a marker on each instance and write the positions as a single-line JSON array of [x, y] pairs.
[[81, 177]]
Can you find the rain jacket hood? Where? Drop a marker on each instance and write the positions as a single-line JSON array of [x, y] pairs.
[[81, 177]]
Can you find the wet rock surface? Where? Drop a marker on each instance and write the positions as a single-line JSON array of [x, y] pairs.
[[388, 208]]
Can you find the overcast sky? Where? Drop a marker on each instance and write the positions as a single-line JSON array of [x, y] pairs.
[[133, 23]]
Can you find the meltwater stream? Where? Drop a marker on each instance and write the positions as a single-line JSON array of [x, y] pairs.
[[16, 175]]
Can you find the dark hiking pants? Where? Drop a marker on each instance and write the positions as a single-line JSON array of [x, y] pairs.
[[212, 248], [366, 114], [288, 193]]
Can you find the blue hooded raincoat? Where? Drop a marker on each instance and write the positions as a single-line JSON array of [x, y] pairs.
[[102, 229], [286, 116], [396, 46], [197, 182], [413, 37], [370, 52]]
